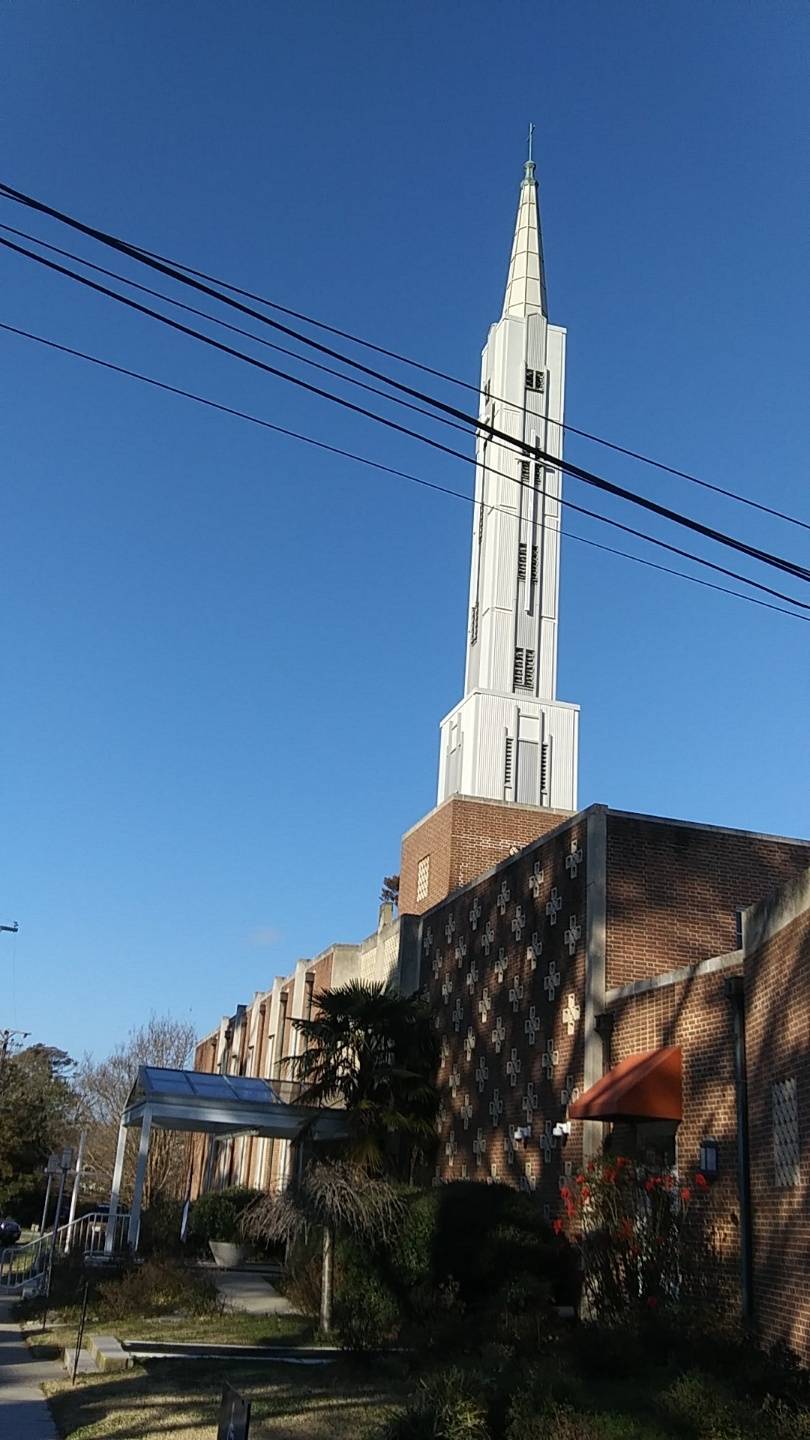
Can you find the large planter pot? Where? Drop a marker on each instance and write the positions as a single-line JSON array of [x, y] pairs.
[[227, 1255]]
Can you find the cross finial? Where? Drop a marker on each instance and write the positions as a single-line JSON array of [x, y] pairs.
[[531, 138]]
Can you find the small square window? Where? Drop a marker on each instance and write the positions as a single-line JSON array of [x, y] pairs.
[[423, 878]]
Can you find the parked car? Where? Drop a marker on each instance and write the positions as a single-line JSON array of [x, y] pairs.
[[10, 1231]]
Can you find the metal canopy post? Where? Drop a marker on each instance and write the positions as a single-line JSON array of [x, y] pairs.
[[109, 1239], [140, 1177]]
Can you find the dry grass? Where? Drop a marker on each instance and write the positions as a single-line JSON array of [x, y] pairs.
[[180, 1400]]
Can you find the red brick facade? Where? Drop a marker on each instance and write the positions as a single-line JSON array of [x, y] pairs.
[[777, 999], [462, 839]]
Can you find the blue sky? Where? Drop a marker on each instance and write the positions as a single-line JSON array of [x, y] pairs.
[[225, 655]]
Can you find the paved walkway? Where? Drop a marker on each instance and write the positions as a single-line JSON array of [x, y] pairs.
[[250, 1292], [24, 1414]]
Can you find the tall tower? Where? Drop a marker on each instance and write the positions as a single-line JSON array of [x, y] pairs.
[[510, 738]]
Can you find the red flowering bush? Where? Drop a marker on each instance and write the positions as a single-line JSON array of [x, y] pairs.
[[643, 1234]]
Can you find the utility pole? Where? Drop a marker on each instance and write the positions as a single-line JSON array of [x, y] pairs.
[[6, 1036]]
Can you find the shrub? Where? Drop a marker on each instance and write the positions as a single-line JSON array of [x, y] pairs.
[[216, 1215], [445, 1407], [160, 1228], [157, 1287], [367, 1313], [488, 1234], [700, 1404]]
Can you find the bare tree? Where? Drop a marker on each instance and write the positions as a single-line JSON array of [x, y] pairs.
[[103, 1087]]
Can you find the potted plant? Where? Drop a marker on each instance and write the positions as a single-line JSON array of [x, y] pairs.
[[215, 1221]]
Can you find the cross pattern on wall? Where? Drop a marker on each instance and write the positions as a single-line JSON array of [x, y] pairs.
[[481, 1072], [574, 860], [550, 1058], [572, 934], [498, 1035], [529, 1101], [472, 977], [488, 937], [427, 941], [531, 1025], [536, 879], [552, 980], [571, 1013], [454, 1082], [501, 965], [445, 1050], [466, 1111], [479, 1146], [495, 1107], [484, 1005], [503, 897], [458, 1014], [514, 1065], [451, 1148], [553, 906], [509, 1149], [548, 1141], [469, 1043], [447, 989], [475, 913], [437, 965], [518, 923], [534, 950], [569, 1092], [516, 993], [450, 927], [460, 951]]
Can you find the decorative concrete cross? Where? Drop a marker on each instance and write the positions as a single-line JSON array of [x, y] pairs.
[[496, 1107], [450, 928], [531, 1025], [551, 1057], [503, 897], [553, 906], [570, 1014], [569, 1092], [451, 1148], [481, 1072], [461, 951], [488, 937], [574, 860], [528, 1180], [536, 879], [501, 965], [516, 993], [572, 934], [534, 950], [454, 1082], [427, 941], [529, 1101], [458, 1014], [518, 923], [472, 977], [548, 1141], [469, 1043], [498, 1035], [447, 989], [466, 1111], [475, 913], [509, 1148], [445, 1051], [484, 1005], [441, 1116], [464, 1170], [437, 964], [479, 1146], [513, 1068], [551, 982]]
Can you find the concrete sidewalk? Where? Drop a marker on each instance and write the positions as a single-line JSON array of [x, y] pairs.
[[24, 1414], [250, 1293]]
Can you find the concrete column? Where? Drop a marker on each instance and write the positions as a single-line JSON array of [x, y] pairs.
[[118, 1172], [140, 1176]]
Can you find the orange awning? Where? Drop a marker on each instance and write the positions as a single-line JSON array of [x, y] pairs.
[[642, 1087]]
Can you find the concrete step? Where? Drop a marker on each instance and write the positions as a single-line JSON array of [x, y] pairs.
[[86, 1365], [108, 1354]]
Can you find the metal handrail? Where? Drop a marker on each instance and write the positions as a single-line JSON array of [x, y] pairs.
[[22, 1264]]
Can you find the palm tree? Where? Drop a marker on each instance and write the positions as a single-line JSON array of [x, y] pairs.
[[373, 1051]]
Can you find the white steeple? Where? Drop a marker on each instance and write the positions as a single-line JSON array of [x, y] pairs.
[[510, 738]]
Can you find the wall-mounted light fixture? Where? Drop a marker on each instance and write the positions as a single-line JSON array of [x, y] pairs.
[[562, 1130], [521, 1134], [709, 1159]]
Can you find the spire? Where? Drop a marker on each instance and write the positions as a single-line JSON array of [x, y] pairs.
[[526, 281]]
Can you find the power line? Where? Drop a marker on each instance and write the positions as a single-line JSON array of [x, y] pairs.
[[383, 420], [378, 465], [463, 384], [587, 476]]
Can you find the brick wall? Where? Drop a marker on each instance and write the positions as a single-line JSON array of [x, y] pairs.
[[501, 962], [777, 993], [464, 838], [673, 890]]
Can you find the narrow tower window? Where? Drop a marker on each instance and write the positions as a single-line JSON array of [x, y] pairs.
[[528, 674], [535, 380], [524, 472], [423, 878], [544, 767], [507, 761], [517, 668], [522, 561]]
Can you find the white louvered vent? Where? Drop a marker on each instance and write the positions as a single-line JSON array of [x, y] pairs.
[[544, 767], [534, 565], [522, 561], [517, 668], [524, 472], [474, 624], [535, 380], [507, 762], [528, 670]]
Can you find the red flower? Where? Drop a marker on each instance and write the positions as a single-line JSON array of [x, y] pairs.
[[686, 1194], [580, 1179], [621, 1161], [565, 1193], [651, 1302], [701, 1183], [569, 1210], [585, 1192], [626, 1228], [649, 1186], [609, 1174], [557, 1227]]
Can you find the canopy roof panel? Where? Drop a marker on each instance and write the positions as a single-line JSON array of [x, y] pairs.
[[642, 1087], [223, 1105], [153, 1080]]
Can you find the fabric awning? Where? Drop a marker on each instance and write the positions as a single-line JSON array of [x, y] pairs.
[[642, 1087]]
